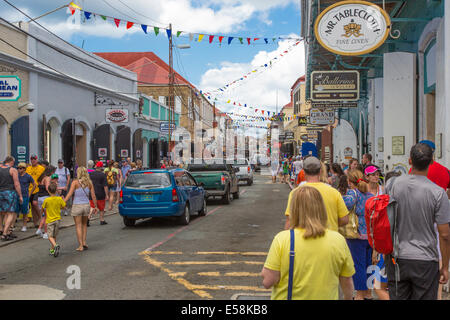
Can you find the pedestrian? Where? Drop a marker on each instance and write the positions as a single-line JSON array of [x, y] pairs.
[[90, 166], [139, 164], [352, 165], [420, 204], [52, 206], [274, 167], [43, 184], [322, 258], [163, 165], [98, 179], [360, 248], [336, 210], [120, 180], [336, 174], [10, 197], [126, 167], [366, 160], [25, 181], [63, 181], [35, 170], [298, 166], [323, 173], [285, 167], [81, 189], [112, 177], [373, 177]]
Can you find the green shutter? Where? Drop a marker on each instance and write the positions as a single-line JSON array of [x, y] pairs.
[[155, 110]]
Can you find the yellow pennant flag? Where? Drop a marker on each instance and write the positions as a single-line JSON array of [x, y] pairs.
[[200, 37], [73, 5]]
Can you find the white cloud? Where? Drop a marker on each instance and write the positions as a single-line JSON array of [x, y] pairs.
[[259, 91]]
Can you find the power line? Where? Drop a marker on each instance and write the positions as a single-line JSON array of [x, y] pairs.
[[141, 13]]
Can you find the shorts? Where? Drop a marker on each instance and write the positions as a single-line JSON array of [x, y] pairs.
[[80, 210], [274, 172], [24, 208], [33, 197], [112, 188], [41, 201], [9, 201], [53, 228], [100, 204]]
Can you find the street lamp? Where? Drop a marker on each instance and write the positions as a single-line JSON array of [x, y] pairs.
[[28, 105]]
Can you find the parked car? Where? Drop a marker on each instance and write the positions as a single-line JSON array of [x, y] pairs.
[[245, 172], [161, 193], [219, 180], [258, 160]]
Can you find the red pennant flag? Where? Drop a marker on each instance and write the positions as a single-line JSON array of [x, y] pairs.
[[262, 111], [72, 10], [234, 103], [248, 40], [129, 24], [211, 38], [255, 39], [256, 110], [220, 39], [117, 21]]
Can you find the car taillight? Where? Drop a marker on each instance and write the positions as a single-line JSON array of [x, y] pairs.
[[223, 179], [174, 195], [248, 169], [121, 197]]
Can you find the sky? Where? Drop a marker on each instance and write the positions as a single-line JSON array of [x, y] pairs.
[[207, 66]]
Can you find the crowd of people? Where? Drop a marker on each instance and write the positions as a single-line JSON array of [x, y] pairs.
[[326, 217], [45, 192]]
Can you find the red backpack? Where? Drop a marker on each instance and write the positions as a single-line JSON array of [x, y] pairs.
[[380, 223]]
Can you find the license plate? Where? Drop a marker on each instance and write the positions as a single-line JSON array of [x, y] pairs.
[[148, 197]]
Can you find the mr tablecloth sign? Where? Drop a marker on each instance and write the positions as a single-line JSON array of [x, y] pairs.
[[10, 88], [352, 28]]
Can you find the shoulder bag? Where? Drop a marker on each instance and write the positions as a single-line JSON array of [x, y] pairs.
[[350, 230], [291, 265]]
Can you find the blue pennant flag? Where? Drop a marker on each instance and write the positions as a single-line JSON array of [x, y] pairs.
[[169, 33], [230, 39], [144, 27], [266, 40], [87, 15]]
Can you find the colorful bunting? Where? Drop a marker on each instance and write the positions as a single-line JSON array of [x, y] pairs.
[[156, 30], [129, 24], [230, 39], [200, 37], [178, 33], [117, 21], [144, 27], [87, 15], [169, 33], [211, 38]]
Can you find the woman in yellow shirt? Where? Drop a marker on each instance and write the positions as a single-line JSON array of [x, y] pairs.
[[322, 258]]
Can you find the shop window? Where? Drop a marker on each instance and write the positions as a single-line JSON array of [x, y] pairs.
[[430, 67]]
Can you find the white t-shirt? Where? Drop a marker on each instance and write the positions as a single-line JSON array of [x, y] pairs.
[[62, 176], [298, 166]]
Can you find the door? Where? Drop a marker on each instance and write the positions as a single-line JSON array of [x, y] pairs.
[[189, 185], [154, 154], [123, 143], [102, 147], [195, 192], [68, 136], [20, 140], [138, 145]]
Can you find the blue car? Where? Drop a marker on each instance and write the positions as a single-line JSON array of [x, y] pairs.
[[161, 193]]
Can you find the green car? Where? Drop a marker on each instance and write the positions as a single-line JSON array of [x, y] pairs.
[[218, 180]]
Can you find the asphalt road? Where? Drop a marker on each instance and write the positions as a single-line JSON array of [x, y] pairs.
[[218, 256]]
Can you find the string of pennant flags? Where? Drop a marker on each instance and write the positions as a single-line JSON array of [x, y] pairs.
[[279, 117], [257, 70], [156, 29]]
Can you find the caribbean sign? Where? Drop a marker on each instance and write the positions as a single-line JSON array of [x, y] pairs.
[[352, 28], [10, 88], [334, 86]]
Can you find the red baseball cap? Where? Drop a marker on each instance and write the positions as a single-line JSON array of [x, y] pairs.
[[99, 164]]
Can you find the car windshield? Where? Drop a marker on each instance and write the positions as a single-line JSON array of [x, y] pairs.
[[207, 167], [148, 180]]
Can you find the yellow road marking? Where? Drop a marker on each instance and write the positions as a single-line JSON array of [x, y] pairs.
[[229, 274], [209, 274], [224, 263], [233, 253]]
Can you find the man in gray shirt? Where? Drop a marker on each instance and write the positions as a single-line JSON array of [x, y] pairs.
[[421, 205]]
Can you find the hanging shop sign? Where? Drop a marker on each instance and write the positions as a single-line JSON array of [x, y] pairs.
[[321, 116], [323, 105], [304, 137], [116, 115], [348, 153], [335, 85], [289, 135], [164, 127], [303, 121], [10, 88], [352, 28]]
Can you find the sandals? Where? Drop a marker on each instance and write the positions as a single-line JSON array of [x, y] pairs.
[[6, 237]]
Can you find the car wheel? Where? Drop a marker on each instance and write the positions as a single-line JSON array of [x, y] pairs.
[[227, 198], [204, 209], [129, 222], [185, 218]]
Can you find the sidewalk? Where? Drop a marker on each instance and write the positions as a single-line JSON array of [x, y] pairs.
[[66, 221]]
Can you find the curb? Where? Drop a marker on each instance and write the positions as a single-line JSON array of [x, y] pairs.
[[6, 243]]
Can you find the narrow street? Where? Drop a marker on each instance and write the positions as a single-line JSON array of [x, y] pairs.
[[215, 257]]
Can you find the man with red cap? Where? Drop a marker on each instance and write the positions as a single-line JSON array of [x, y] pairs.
[[98, 179]]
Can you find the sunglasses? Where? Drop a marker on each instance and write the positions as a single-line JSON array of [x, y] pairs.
[[21, 168]]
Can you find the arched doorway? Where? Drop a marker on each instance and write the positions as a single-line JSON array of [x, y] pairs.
[[137, 145], [344, 142], [81, 144], [3, 138], [102, 143], [53, 140], [154, 153], [123, 143], [68, 143]]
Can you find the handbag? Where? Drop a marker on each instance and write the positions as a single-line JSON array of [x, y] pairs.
[[291, 265], [350, 230]]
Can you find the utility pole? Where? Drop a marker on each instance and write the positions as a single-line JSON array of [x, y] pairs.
[[171, 87]]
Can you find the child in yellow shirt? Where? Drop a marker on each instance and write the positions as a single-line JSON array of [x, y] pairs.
[[53, 206]]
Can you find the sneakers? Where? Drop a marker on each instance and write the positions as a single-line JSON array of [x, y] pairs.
[[45, 236], [103, 223], [56, 250], [39, 232], [24, 229], [52, 252]]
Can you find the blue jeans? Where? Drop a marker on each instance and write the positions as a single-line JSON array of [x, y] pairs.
[[362, 258]]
